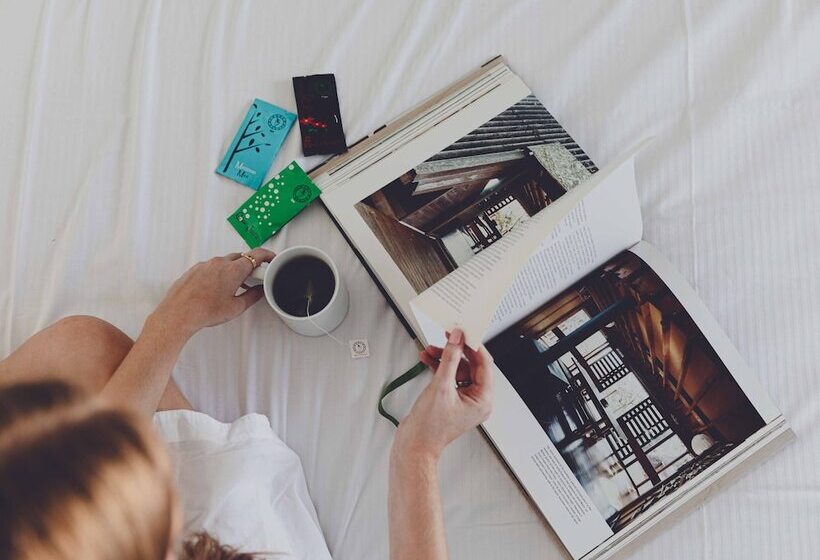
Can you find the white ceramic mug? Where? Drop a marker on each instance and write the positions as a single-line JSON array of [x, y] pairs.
[[329, 317]]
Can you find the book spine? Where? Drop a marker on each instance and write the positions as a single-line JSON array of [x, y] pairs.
[[369, 270]]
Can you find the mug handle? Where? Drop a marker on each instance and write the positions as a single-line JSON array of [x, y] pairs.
[[257, 277]]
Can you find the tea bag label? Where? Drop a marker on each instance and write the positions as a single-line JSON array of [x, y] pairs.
[[359, 348]]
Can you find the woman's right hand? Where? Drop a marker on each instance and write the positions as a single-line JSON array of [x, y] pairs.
[[444, 410], [206, 294]]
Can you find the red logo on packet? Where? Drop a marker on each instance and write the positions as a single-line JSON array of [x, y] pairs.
[[311, 122]]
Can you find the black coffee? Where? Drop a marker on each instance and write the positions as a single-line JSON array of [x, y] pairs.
[[302, 281]]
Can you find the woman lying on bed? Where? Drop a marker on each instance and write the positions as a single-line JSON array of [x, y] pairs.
[[86, 478]]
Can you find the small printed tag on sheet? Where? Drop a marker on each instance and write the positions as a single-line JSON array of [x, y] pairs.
[[359, 348], [256, 143], [274, 205]]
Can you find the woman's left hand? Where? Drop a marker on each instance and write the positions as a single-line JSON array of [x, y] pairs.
[[458, 398]]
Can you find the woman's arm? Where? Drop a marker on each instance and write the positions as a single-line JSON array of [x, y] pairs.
[[441, 413], [416, 518], [202, 297]]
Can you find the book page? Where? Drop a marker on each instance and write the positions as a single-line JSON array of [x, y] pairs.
[[619, 397], [711, 330], [378, 210], [564, 241]]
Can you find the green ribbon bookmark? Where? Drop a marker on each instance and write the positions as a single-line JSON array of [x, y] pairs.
[[408, 375]]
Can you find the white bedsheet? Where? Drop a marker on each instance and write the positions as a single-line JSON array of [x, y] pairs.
[[113, 116]]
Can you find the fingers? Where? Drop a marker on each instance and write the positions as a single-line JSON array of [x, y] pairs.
[[482, 367], [481, 390], [248, 298], [429, 360], [244, 267], [451, 357], [261, 255], [434, 351], [433, 357]]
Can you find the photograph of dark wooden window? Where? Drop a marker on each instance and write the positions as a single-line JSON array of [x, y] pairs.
[[460, 201], [627, 388]]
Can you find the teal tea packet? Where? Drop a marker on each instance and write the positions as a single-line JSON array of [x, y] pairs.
[[256, 143], [274, 205]]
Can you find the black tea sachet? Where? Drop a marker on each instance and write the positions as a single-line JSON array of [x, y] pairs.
[[320, 120]]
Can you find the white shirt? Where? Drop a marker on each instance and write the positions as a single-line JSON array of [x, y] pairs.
[[242, 484]]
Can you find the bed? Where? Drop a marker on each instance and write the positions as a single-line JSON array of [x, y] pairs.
[[114, 116]]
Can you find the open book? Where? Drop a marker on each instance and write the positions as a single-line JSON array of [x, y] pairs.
[[619, 401]]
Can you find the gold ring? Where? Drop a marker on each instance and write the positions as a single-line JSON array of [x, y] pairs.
[[250, 259]]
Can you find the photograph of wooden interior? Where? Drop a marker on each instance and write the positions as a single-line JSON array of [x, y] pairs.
[[626, 386], [441, 213]]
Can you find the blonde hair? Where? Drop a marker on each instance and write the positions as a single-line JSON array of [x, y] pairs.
[[79, 479], [203, 546]]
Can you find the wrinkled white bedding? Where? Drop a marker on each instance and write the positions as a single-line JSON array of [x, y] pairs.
[[113, 116]]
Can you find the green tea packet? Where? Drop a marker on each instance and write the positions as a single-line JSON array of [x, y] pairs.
[[274, 205]]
